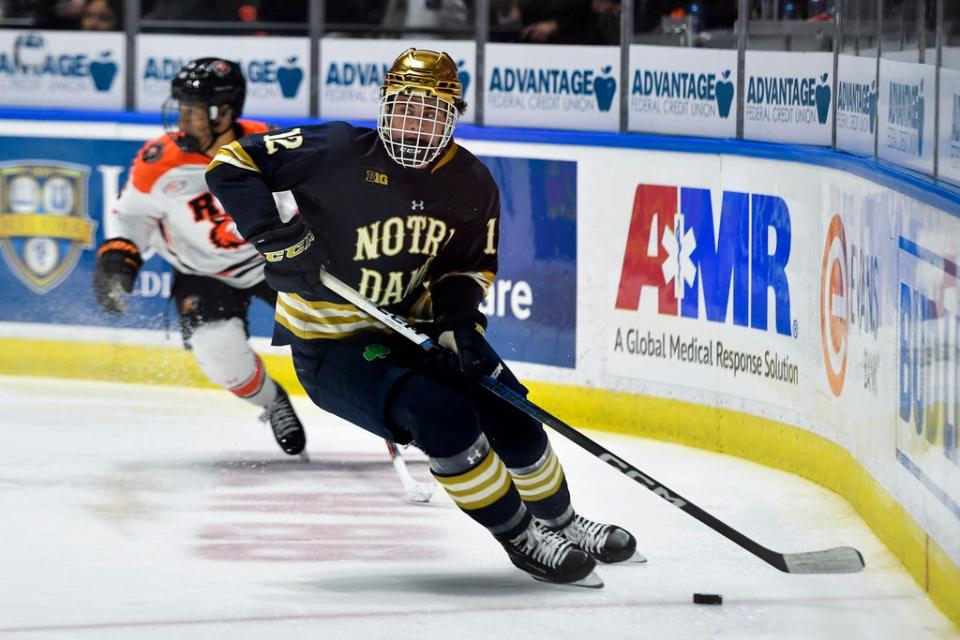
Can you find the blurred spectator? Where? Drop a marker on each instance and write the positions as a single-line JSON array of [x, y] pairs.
[[181, 10], [549, 21], [338, 12], [46, 14], [102, 15], [425, 14], [606, 21]]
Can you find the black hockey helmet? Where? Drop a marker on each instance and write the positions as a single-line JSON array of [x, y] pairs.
[[213, 81]]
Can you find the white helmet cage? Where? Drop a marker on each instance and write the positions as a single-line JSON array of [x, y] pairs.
[[415, 128]]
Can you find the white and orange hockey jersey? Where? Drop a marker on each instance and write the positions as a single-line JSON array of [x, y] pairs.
[[165, 204]]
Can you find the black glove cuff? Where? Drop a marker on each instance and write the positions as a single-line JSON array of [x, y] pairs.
[[466, 318], [118, 258], [120, 253], [455, 294]]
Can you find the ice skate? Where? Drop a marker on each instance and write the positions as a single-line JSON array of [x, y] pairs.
[[607, 543], [286, 426], [549, 557]]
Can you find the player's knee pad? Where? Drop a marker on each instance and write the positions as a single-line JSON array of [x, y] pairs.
[[442, 420], [225, 356]]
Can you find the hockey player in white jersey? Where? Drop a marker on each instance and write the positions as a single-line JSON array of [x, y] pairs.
[[166, 204]]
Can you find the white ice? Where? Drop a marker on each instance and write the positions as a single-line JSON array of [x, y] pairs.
[[131, 511]]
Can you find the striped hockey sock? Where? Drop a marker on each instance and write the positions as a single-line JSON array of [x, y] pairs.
[[543, 488], [479, 483]]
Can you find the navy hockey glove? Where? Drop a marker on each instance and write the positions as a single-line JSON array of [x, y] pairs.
[[294, 257], [118, 262], [462, 333]]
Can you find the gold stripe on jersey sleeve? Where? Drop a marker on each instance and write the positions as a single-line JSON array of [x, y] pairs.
[[234, 155], [482, 278]]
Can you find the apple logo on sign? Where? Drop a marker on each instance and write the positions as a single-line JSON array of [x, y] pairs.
[[604, 87], [822, 98], [724, 95], [103, 70], [290, 77], [463, 75]]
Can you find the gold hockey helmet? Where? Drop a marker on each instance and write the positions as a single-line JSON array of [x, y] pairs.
[[427, 73], [420, 102]]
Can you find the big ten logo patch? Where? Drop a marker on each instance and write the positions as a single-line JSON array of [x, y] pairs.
[[377, 178], [223, 233], [44, 224], [679, 250]]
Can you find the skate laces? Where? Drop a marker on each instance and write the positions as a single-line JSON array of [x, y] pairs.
[[587, 534], [542, 545], [281, 416]]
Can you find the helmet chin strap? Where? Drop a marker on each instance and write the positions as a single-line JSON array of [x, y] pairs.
[[192, 145]]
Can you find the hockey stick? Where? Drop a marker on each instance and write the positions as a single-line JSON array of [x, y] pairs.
[[416, 491], [835, 560]]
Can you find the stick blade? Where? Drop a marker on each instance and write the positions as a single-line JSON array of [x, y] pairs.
[[420, 492], [836, 560]]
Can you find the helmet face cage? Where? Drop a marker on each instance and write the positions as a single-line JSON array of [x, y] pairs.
[[171, 112], [414, 127]]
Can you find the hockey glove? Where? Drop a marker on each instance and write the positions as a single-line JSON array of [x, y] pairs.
[[462, 333], [118, 262], [294, 257]]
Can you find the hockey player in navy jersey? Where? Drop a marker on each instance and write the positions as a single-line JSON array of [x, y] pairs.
[[411, 220], [165, 204]]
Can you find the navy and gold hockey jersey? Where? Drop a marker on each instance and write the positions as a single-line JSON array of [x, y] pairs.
[[389, 232]]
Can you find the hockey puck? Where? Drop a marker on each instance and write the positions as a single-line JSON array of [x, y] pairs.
[[707, 598]]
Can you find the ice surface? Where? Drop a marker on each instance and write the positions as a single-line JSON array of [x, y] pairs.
[[131, 511]]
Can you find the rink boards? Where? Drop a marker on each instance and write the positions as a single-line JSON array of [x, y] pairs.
[[793, 306]]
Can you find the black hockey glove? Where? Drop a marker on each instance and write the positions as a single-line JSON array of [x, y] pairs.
[[294, 257], [462, 333], [118, 262]]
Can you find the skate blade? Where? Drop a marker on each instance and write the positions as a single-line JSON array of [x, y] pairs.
[[591, 581], [637, 557], [304, 456], [420, 493]]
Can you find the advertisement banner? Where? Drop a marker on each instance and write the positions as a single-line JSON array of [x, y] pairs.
[[709, 287], [906, 105], [532, 305], [539, 85], [352, 72], [788, 97], [929, 359], [856, 310], [41, 68], [56, 195], [684, 91], [856, 104], [276, 69], [948, 164]]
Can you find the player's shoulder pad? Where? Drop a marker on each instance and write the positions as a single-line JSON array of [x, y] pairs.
[[157, 157], [312, 139], [468, 165]]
